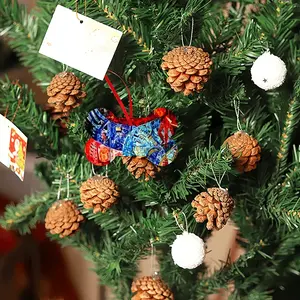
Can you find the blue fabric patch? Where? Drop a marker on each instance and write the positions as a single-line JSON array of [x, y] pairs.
[[142, 140]]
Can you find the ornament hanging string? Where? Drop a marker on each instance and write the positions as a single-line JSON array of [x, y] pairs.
[[59, 188], [237, 110], [81, 172], [175, 214], [152, 256], [192, 32], [128, 93], [95, 174], [68, 186], [127, 115], [167, 124], [93, 170], [218, 182], [106, 169]]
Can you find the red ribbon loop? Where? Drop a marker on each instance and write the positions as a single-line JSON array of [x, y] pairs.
[[168, 120], [128, 116]]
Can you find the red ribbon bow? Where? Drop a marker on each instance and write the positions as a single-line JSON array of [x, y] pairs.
[[168, 120]]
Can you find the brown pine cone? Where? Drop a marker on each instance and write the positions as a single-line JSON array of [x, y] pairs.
[[215, 206], [188, 69], [99, 193], [63, 218], [149, 287], [140, 166], [64, 94], [245, 151]]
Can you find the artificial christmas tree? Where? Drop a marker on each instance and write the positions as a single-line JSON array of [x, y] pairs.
[[266, 199]]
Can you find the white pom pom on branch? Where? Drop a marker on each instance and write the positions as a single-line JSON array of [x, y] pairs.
[[188, 250], [268, 71]]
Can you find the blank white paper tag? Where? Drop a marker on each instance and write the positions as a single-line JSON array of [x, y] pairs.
[[88, 46], [13, 147]]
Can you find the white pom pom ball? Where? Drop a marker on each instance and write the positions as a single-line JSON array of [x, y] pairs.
[[188, 250], [268, 71]]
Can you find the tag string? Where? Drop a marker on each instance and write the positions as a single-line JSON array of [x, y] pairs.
[[6, 111], [180, 225], [76, 10]]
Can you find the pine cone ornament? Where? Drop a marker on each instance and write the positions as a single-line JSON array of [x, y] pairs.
[[140, 166], [149, 287], [188, 69], [64, 94], [99, 193], [215, 206], [245, 151], [63, 218]]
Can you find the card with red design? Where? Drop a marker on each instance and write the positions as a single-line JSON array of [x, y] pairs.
[[13, 147]]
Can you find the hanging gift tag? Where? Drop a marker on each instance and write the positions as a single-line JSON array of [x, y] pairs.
[[12, 147], [81, 43]]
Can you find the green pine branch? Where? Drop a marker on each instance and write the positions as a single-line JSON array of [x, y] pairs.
[[120, 13], [243, 273], [19, 102], [177, 278], [108, 261], [291, 122], [24, 216], [201, 168], [25, 36], [228, 274], [25, 32], [246, 48], [284, 206], [277, 21]]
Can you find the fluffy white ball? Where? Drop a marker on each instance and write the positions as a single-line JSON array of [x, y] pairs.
[[188, 250], [268, 71]]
